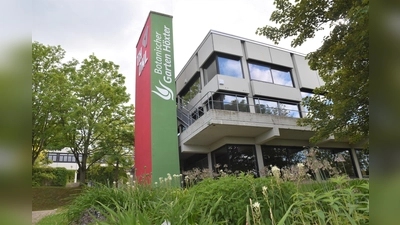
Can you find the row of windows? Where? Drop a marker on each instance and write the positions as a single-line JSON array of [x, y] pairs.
[[63, 157], [230, 66], [263, 106], [239, 103], [243, 158]]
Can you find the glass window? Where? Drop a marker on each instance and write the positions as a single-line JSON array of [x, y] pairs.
[[289, 110], [282, 157], [282, 77], [191, 89], [230, 67], [236, 158], [71, 158], [328, 160], [267, 107], [224, 66], [340, 159], [210, 71], [230, 102], [196, 161], [53, 157], [277, 108], [261, 73], [303, 96], [363, 161]]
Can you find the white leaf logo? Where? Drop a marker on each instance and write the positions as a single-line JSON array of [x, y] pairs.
[[164, 92]]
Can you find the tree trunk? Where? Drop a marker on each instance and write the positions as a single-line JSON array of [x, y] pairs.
[[82, 169], [82, 175]]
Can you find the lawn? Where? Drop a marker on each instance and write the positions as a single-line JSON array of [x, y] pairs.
[[45, 198]]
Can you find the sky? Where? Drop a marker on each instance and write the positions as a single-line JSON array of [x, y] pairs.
[[110, 29]]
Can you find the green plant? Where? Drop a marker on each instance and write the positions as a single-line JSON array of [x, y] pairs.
[[55, 219], [346, 203], [48, 176]]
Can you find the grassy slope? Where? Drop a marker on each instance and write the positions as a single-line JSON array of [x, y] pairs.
[[45, 198]]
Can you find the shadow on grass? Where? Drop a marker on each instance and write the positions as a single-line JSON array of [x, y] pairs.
[[46, 198]]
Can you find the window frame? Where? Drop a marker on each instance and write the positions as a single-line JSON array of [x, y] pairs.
[[271, 67], [279, 109], [214, 59]]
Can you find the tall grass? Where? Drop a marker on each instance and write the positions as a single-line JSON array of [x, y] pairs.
[[228, 199]]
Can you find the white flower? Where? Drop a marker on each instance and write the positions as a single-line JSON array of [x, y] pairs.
[[300, 165], [276, 171], [264, 188], [275, 168], [155, 183], [256, 205], [127, 183], [166, 222]]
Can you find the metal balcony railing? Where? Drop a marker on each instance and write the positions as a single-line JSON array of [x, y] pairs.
[[188, 114]]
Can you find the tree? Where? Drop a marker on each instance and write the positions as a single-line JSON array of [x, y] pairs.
[[50, 92], [97, 102], [341, 106], [116, 149]]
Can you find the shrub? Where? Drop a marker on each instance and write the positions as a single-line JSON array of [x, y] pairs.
[[104, 175], [234, 193], [49, 176]]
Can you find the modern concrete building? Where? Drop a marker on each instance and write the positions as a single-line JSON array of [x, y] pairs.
[[238, 101]]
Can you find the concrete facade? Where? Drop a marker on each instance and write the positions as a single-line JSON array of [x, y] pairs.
[[208, 118]]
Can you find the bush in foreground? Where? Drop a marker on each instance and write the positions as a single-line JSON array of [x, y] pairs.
[[230, 199]]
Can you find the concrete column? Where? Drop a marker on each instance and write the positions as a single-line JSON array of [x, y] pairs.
[[76, 176], [260, 161], [356, 164], [210, 166]]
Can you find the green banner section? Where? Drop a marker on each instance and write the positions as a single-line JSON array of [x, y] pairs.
[[165, 153]]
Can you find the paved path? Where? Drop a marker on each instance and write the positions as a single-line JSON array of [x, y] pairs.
[[38, 215]]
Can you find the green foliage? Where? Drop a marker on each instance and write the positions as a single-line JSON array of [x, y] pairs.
[[346, 203], [105, 175], [50, 93], [229, 199], [81, 106], [59, 218], [342, 62], [233, 194], [49, 176]]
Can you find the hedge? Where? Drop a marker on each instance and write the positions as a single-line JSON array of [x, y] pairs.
[[49, 176]]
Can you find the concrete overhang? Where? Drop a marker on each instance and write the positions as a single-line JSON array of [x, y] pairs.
[[218, 127]]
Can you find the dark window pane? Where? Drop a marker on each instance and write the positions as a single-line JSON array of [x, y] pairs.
[[210, 71], [282, 77], [191, 89], [303, 96], [53, 157], [236, 158], [363, 161], [230, 102], [261, 73], [230, 67], [339, 159]]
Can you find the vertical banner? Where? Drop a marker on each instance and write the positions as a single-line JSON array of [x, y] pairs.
[[156, 141]]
